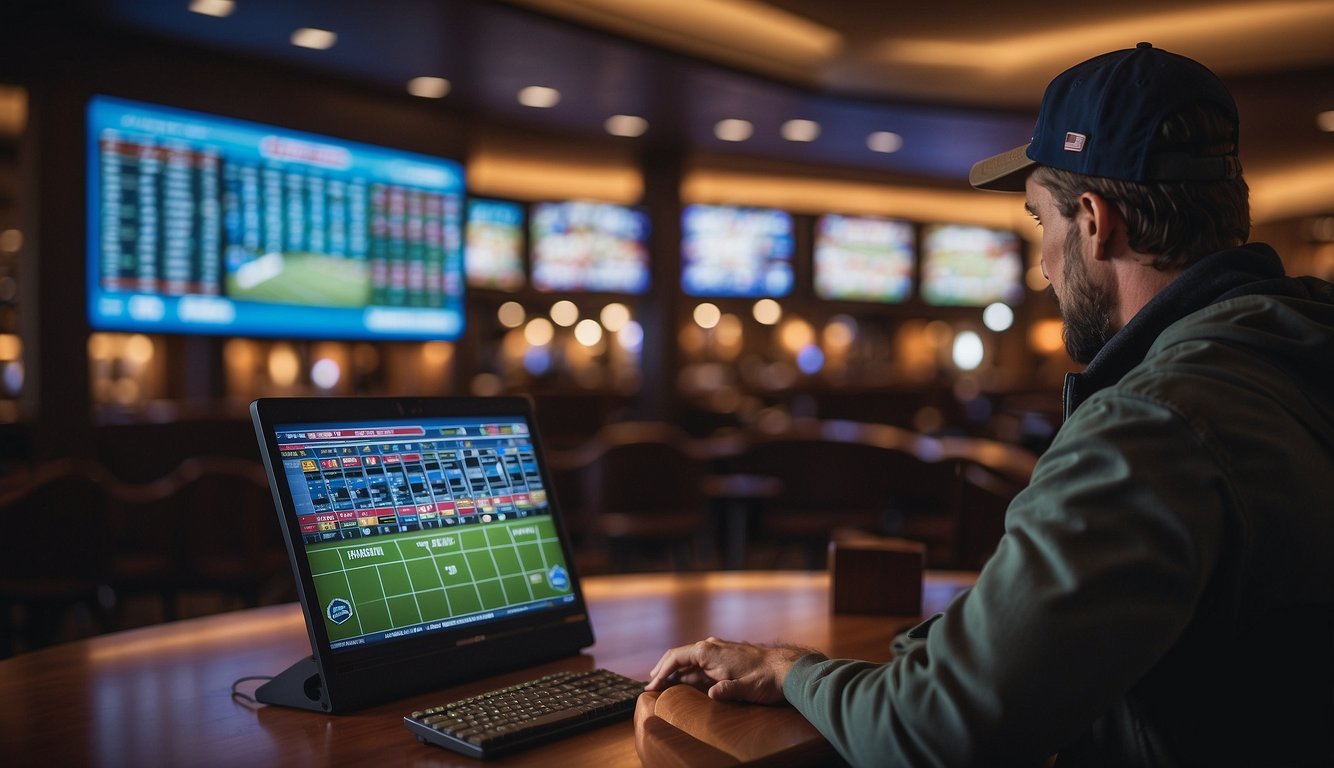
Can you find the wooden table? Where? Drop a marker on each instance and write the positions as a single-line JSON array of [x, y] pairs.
[[161, 695]]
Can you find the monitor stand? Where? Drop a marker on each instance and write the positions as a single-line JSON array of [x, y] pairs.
[[299, 686]]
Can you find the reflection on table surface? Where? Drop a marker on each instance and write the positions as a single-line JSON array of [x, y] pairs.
[[161, 695]]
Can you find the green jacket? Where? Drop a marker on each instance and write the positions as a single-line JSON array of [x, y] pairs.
[[1164, 591]]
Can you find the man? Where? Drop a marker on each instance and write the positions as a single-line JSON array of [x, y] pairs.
[[1164, 591]]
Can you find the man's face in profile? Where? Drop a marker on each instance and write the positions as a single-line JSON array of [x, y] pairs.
[[1086, 307]]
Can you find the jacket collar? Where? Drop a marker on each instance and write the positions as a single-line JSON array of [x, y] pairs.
[[1221, 275]]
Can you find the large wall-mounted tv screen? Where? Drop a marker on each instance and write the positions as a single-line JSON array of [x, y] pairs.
[[970, 266], [205, 224], [863, 258], [733, 251], [493, 249], [585, 246]]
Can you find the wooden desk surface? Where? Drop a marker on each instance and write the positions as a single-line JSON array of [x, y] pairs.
[[161, 695]]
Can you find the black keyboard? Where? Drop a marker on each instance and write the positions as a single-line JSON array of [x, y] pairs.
[[520, 716]]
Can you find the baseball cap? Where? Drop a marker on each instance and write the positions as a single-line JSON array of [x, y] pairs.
[[1100, 118]]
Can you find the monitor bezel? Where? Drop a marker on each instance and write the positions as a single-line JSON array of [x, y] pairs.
[[358, 676]]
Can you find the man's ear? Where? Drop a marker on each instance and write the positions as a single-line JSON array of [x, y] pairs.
[[1098, 222]]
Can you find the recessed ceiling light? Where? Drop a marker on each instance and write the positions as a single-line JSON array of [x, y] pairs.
[[310, 37], [733, 129], [1325, 120], [428, 87], [217, 8], [800, 130], [884, 141], [539, 96], [626, 125]]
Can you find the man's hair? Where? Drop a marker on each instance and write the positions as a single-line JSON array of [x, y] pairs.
[[1179, 222]]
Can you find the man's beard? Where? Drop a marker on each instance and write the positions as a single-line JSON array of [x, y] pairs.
[[1087, 309]]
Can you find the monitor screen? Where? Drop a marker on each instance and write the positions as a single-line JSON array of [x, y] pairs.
[[493, 250], [421, 525], [863, 258], [970, 266], [586, 246], [426, 542], [205, 224], [729, 251]]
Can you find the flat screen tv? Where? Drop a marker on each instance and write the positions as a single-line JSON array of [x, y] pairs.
[[493, 244], [970, 266], [733, 251], [578, 245], [206, 224], [864, 258]]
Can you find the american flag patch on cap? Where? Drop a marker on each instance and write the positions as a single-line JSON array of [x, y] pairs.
[[1074, 142]]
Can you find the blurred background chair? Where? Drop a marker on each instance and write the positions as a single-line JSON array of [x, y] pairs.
[[206, 532], [54, 562], [830, 484], [644, 499], [984, 496]]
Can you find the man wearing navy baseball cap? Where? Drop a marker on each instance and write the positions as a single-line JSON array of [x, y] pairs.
[[1164, 591]]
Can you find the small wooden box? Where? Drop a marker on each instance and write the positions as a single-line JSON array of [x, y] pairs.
[[876, 575]]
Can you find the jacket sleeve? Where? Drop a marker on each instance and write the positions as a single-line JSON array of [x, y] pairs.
[[1103, 559]]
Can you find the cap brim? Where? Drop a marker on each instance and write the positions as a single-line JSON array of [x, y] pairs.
[[1005, 172]]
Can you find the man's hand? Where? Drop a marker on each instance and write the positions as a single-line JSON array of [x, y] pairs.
[[728, 671]]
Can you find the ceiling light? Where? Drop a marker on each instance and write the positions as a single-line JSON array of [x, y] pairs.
[[310, 37], [539, 96], [626, 125], [884, 141], [428, 87], [1325, 120], [732, 129], [800, 130], [217, 8]]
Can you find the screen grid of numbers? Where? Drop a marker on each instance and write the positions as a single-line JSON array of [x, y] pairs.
[[411, 529]]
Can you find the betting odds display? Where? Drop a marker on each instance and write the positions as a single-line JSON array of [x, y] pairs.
[[413, 528], [199, 223]]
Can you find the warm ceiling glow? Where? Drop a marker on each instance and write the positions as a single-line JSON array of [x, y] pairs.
[[1044, 336], [11, 347], [13, 110], [733, 129], [284, 365], [511, 314], [629, 126], [1198, 27], [429, 87], [528, 177], [317, 39], [539, 97], [219, 8], [800, 130], [11, 240], [564, 313], [801, 193], [884, 141], [796, 334], [707, 315], [767, 312], [1302, 189], [588, 332], [614, 316], [1035, 279], [1325, 121], [539, 332], [750, 33]]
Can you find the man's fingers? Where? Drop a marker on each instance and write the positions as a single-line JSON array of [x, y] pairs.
[[725, 690]]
